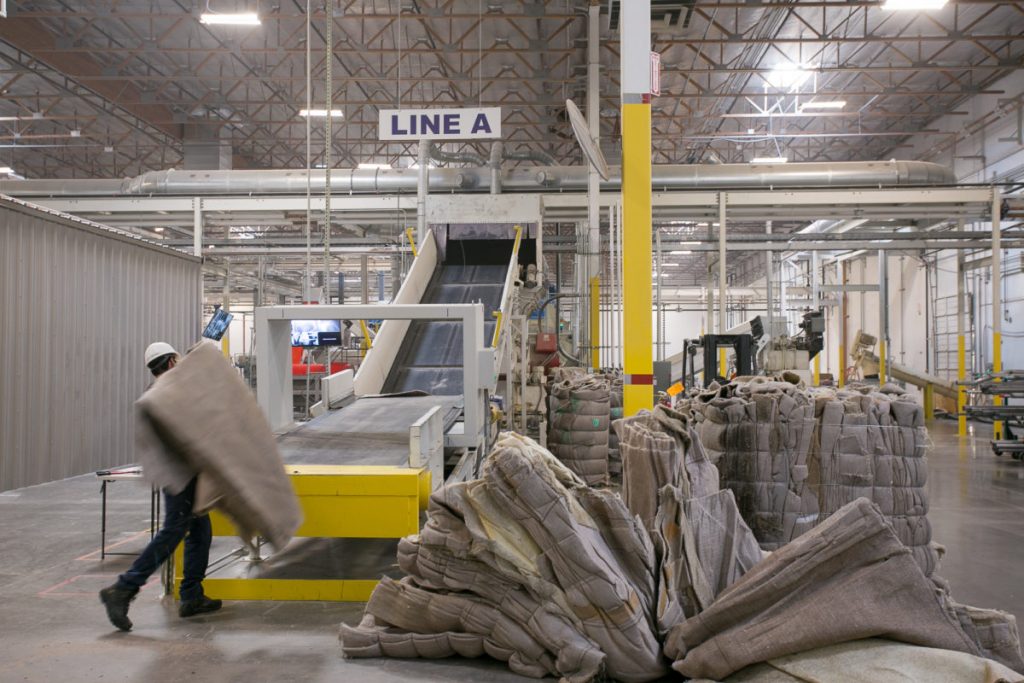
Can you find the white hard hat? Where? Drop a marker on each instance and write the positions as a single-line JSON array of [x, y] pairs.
[[158, 350]]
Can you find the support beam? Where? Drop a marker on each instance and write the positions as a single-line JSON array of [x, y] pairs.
[[883, 316], [722, 313], [593, 250], [997, 301], [638, 391]]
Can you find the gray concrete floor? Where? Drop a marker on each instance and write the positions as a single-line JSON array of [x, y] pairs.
[[53, 628]]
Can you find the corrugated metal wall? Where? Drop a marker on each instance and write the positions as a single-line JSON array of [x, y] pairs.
[[78, 305]]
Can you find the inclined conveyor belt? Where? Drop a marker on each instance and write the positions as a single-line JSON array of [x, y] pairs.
[[430, 358]]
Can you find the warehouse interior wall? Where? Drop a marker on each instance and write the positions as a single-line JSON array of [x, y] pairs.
[[78, 306]]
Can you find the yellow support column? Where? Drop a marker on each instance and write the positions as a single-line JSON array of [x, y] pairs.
[[881, 362], [637, 304], [595, 322], [961, 347], [817, 370]]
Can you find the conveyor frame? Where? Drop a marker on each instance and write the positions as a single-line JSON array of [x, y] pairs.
[[273, 359]]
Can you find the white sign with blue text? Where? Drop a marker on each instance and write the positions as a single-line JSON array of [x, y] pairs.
[[440, 124]]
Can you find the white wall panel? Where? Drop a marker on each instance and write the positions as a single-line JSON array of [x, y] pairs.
[[78, 305]]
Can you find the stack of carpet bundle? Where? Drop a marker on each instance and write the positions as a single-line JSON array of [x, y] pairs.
[[794, 456], [759, 435], [578, 425], [871, 444], [615, 413], [527, 565], [530, 566]]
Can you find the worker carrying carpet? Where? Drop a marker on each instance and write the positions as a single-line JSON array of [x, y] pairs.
[[201, 437]]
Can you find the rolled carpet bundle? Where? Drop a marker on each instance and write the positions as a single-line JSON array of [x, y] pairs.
[[847, 579], [758, 433], [578, 424], [201, 419]]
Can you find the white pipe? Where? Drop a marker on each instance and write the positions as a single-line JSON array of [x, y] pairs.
[[422, 187], [721, 266], [527, 179]]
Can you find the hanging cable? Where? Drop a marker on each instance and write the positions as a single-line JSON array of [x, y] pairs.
[[329, 96], [308, 287]]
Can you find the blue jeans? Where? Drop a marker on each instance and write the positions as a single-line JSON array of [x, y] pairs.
[[179, 523]]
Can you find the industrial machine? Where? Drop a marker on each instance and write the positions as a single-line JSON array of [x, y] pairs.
[[1007, 386], [366, 464], [936, 389], [709, 344], [760, 345]]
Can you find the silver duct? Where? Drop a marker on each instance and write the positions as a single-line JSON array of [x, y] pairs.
[[526, 179], [437, 154]]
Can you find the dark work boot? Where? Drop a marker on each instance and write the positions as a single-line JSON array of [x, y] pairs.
[[190, 608], [116, 599]]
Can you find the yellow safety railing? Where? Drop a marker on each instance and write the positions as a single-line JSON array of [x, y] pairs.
[[497, 329], [512, 274]]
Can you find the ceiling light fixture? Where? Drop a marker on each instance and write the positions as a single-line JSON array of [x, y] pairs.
[[374, 167], [834, 104], [321, 113], [683, 252], [769, 160], [6, 170], [790, 76], [158, 229], [669, 265], [238, 19], [913, 4]]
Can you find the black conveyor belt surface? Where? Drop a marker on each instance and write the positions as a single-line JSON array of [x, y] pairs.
[[430, 358], [371, 431]]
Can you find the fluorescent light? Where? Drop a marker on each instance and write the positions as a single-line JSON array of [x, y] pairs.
[[791, 76], [683, 252], [321, 113], [769, 160], [669, 265], [834, 104], [372, 167], [158, 229], [239, 19], [913, 4], [6, 170]]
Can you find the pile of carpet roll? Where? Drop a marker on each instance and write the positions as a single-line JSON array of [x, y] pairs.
[[579, 416], [794, 456], [529, 565]]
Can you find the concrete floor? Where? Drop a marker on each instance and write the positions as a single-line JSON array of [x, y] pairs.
[[53, 628]]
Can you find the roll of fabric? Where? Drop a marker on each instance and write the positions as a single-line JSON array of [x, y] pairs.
[[201, 418]]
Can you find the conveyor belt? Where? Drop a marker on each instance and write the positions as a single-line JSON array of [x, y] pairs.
[[430, 358], [371, 431]]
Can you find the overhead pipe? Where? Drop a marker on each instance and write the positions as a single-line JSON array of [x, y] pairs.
[[437, 154], [541, 157], [522, 179]]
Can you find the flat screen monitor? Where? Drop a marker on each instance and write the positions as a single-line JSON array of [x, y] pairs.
[[307, 332], [218, 325]]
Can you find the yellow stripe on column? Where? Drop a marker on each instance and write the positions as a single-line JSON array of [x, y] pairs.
[[842, 366], [636, 256], [817, 370], [595, 322]]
